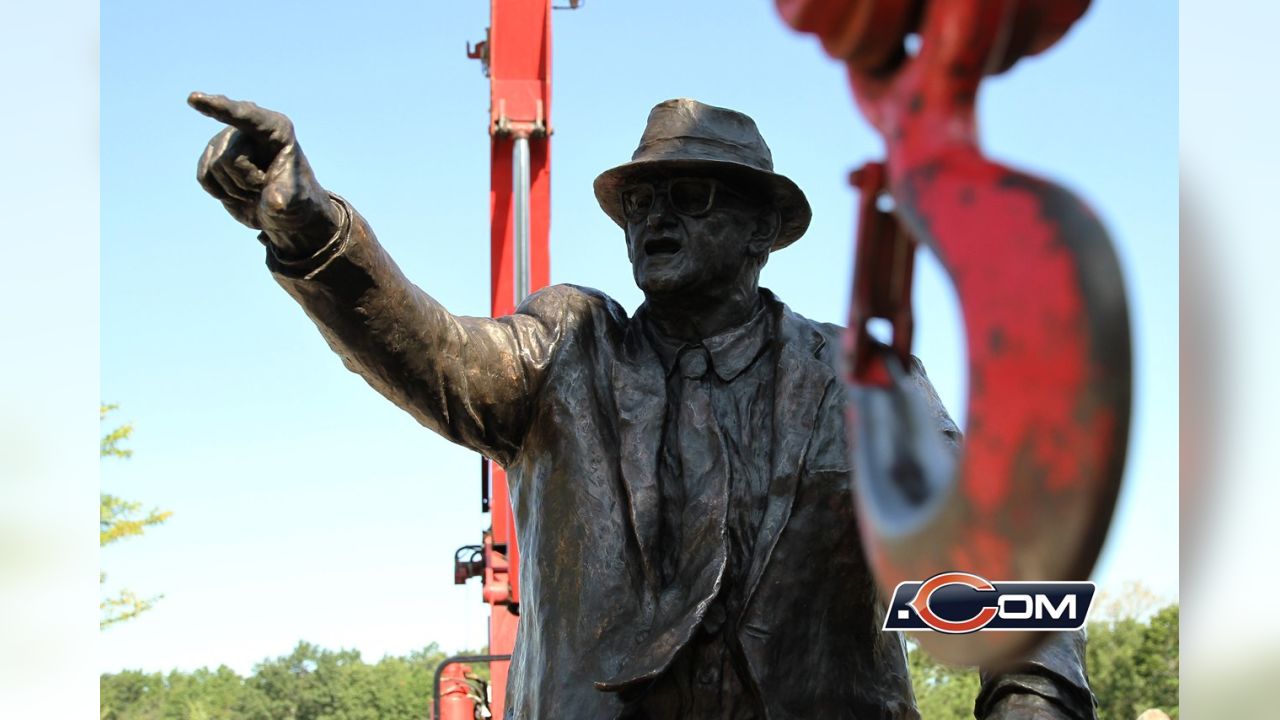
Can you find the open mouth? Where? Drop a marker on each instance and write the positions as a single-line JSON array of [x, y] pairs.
[[662, 246]]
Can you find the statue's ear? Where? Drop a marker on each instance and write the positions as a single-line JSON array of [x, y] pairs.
[[765, 231], [626, 236]]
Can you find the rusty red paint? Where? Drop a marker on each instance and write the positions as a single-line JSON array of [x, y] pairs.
[[1039, 287], [455, 703]]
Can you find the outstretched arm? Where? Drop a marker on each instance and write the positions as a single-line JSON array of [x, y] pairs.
[[473, 380]]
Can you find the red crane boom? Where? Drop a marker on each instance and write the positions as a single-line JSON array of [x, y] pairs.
[[516, 54]]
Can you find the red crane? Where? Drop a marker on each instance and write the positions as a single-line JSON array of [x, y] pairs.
[[516, 55]]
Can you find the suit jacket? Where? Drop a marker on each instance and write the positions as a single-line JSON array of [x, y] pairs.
[[568, 395]]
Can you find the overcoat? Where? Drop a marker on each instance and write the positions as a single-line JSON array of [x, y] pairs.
[[568, 395]]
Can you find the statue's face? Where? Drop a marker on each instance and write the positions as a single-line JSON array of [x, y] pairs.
[[690, 235]]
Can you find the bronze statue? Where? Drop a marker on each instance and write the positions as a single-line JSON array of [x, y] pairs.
[[680, 478]]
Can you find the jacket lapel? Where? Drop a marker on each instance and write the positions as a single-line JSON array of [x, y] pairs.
[[800, 382], [640, 393]]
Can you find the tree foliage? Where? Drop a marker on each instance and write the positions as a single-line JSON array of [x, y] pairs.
[[120, 519], [942, 691], [1132, 664], [310, 683]]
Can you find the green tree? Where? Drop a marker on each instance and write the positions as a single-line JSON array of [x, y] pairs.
[[131, 695], [1133, 663], [943, 692], [120, 519], [310, 683], [209, 695]]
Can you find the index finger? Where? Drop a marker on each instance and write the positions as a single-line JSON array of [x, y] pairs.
[[245, 116]]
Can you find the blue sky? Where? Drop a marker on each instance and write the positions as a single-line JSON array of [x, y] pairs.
[[306, 506]]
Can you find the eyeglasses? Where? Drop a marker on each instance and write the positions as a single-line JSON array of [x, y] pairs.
[[691, 197]]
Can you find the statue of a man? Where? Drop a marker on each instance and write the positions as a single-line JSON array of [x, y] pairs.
[[680, 478]]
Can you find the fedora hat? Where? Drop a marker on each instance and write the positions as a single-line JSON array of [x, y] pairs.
[[684, 136]]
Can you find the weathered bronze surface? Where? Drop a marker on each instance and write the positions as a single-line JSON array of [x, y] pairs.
[[680, 478]]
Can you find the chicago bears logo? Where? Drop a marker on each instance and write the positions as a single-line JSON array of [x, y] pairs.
[[960, 602]]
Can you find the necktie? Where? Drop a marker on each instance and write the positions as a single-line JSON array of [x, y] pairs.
[[704, 472]]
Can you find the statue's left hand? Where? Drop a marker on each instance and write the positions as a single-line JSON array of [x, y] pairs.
[[1027, 706]]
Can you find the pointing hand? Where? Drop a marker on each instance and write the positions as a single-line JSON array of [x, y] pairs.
[[257, 170]]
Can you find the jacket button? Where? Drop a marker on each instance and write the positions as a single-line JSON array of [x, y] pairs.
[[708, 676]]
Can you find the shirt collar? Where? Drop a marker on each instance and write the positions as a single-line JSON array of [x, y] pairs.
[[731, 351]]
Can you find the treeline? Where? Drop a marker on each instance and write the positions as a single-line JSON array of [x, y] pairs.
[[1132, 665], [310, 683], [1132, 662]]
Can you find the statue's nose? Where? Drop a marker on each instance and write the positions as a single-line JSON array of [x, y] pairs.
[[660, 211]]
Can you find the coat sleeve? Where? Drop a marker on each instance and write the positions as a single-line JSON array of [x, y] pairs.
[[1054, 676], [473, 380]]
